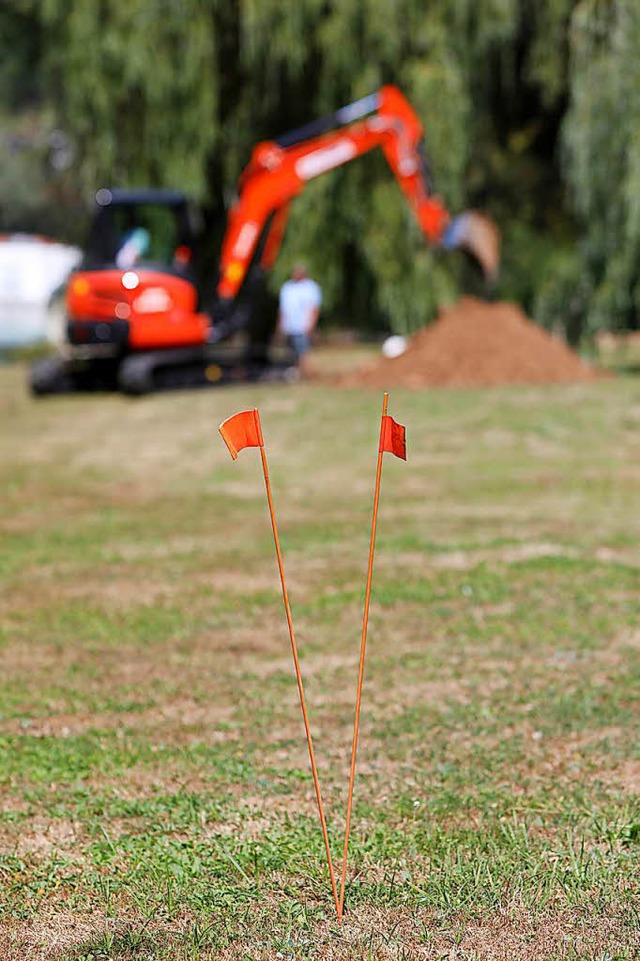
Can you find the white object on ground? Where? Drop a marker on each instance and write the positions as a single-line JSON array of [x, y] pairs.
[[394, 346]]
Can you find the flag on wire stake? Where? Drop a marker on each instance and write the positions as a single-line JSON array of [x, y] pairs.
[[393, 437], [393, 440], [240, 431]]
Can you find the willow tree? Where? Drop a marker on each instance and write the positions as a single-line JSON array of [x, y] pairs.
[[602, 160], [136, 85]]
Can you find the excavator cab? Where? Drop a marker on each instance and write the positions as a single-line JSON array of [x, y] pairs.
[[152, 227], [135, 289]]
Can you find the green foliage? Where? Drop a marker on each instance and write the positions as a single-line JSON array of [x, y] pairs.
[[22, 175], [602, 155], [563, 291], [20, 47], [137, 86], [547, 59], [37, 197]]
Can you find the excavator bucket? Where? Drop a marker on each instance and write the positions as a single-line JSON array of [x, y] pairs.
[[478, 234]]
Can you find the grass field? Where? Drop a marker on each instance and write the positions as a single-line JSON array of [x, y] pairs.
[[156, 798]]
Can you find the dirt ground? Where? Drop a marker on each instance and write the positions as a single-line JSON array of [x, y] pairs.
[[476, 344]]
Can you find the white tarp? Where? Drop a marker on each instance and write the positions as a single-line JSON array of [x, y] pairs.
[[31, 269]]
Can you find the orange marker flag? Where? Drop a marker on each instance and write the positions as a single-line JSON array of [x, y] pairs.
[[240, 431], [392, 439]]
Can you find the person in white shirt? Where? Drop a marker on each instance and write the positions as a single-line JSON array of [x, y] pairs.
[[300, 302]]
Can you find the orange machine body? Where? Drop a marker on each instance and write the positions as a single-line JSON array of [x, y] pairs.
[[145, 308]]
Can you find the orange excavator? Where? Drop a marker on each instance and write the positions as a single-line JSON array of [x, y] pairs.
[[136, 319]]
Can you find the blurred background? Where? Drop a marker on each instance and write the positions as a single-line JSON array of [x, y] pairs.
[[155, 800], [531, 110]]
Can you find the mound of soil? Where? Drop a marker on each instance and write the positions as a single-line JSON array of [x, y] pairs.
[[477, 344]]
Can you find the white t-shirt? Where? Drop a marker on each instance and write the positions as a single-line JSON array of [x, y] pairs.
[[298, 299]]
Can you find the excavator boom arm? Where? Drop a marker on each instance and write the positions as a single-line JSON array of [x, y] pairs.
[[279, 169]]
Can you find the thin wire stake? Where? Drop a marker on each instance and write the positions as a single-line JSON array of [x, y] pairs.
[[296, 662], [363, 646]]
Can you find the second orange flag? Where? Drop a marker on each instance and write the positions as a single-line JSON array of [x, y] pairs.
[[393, 437]]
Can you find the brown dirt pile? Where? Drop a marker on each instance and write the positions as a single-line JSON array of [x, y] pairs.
[[477, 344]]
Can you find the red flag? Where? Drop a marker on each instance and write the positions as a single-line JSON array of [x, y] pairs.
[[242, 430], [393, 437]]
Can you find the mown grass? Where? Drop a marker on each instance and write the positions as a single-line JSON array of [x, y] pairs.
[[157, 802]]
